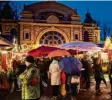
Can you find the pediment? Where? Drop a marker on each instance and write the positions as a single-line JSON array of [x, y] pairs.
[[52, 19]]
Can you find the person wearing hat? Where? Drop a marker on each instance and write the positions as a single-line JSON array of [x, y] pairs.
[[30, 80]]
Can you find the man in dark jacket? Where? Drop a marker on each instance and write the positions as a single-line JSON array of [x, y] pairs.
[[86, 72]]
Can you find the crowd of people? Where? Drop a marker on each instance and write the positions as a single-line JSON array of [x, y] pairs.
[[34, 74]]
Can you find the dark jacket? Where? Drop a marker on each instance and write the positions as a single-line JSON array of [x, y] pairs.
[[86, 66], [98, 72]]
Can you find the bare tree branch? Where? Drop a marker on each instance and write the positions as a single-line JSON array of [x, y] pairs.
[[16, 10]]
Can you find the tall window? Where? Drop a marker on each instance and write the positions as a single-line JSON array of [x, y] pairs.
[[27, 36], [43, 17], [52, 38], [75, 36], [86, 36]]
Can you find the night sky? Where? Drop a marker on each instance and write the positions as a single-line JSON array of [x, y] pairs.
[[101, 11]]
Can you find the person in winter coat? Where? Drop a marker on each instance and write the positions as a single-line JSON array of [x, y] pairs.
[[98, 76], [55, 76], [30, 79], [86, 71]]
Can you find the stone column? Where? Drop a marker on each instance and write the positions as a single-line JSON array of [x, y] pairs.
[[72, 34], [21, 33]]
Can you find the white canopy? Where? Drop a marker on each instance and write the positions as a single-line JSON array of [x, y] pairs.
[[81, 46]]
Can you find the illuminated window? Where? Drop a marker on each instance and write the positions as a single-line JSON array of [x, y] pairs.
[[52, 38]]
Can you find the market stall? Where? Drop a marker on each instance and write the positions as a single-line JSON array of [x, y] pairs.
[[4, 44]]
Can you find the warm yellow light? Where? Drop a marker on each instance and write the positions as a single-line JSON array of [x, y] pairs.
[[4, 51], [36, 46]]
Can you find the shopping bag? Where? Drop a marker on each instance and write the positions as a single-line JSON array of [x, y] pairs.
[[75, 79]]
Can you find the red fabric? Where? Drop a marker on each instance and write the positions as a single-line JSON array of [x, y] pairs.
[[34, 81], [3, 62], [110, 55], [41, 51], [63, 78], [73, 52]]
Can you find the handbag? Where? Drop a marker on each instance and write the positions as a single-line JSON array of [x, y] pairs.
[[75, 79]]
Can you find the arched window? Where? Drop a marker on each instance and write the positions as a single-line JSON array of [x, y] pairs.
[[61, 18], [13, 32], [52, 38], [86, 36], [43, 17], [27, 36]]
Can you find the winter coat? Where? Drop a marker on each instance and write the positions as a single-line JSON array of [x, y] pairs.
[[98, 72], [55, 73], [30, 91]]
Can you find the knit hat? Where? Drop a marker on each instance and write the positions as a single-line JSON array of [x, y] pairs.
[[29, 59]]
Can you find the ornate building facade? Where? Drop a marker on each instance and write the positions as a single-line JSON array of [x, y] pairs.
[[51, 23]]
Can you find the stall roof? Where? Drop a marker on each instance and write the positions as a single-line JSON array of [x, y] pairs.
[[7, 37], [5, 42]]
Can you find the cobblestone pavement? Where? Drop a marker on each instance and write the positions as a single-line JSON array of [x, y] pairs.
[[88, 94], [82, 95]]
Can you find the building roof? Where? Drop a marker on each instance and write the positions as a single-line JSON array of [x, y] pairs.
[[89, 19], [46, 5]]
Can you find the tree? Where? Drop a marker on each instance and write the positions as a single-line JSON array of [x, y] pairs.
[[16, 11], [6, 11], [2, 3], [16, 15]]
